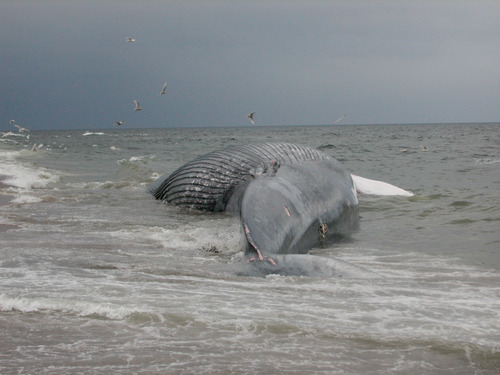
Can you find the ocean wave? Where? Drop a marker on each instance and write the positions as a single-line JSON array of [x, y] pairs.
[[106, 310], [135, 170], [102, 185], [326, 147], [26, 199], [487, 161], [227, 239], [136, 160], [93, 133], [22, 175]]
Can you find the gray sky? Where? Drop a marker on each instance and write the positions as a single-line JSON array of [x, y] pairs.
[[66, 64]]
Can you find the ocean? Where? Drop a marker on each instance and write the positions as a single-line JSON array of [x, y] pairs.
[[97, 277]]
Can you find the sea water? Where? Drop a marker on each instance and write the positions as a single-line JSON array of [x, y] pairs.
[[97, 277]]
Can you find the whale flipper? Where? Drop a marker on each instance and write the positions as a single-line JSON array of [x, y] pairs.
[[373, 187]]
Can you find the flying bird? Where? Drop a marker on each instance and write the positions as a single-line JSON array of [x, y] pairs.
[[164, 89], [118, 123], [130, 40], [137, 106], [340, 119], [37, 147], [250, 117], [21, 129]]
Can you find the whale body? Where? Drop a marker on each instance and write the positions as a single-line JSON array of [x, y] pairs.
[[290, 198], [210, 181]]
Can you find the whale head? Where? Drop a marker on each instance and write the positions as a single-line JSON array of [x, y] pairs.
[[301, 206]]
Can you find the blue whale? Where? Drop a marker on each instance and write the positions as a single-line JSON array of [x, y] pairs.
[[290, 198]]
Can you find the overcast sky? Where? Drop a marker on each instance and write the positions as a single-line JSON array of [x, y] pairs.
[[67, 65]]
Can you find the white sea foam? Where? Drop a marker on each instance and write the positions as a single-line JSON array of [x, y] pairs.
[[80, 308], [101, 185], [137, 159], [26, 199], [92, 133], [201, 236], [487, 161], [23, 179], [22, 175]]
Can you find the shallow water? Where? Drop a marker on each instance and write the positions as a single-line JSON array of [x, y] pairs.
[[98, 277]]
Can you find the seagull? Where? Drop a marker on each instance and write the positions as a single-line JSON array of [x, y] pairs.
[[12, 121], [20, 128], [130, 40], [37, 147], [340, 119], [164, 89], [137, 106], [118, 123], [250, 117]]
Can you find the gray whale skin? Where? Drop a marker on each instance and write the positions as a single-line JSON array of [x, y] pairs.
[[290, 198]]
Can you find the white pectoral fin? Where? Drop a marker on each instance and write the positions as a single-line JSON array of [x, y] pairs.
[[373, 187]]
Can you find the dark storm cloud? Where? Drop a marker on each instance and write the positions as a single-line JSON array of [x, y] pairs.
[[67, 64]]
